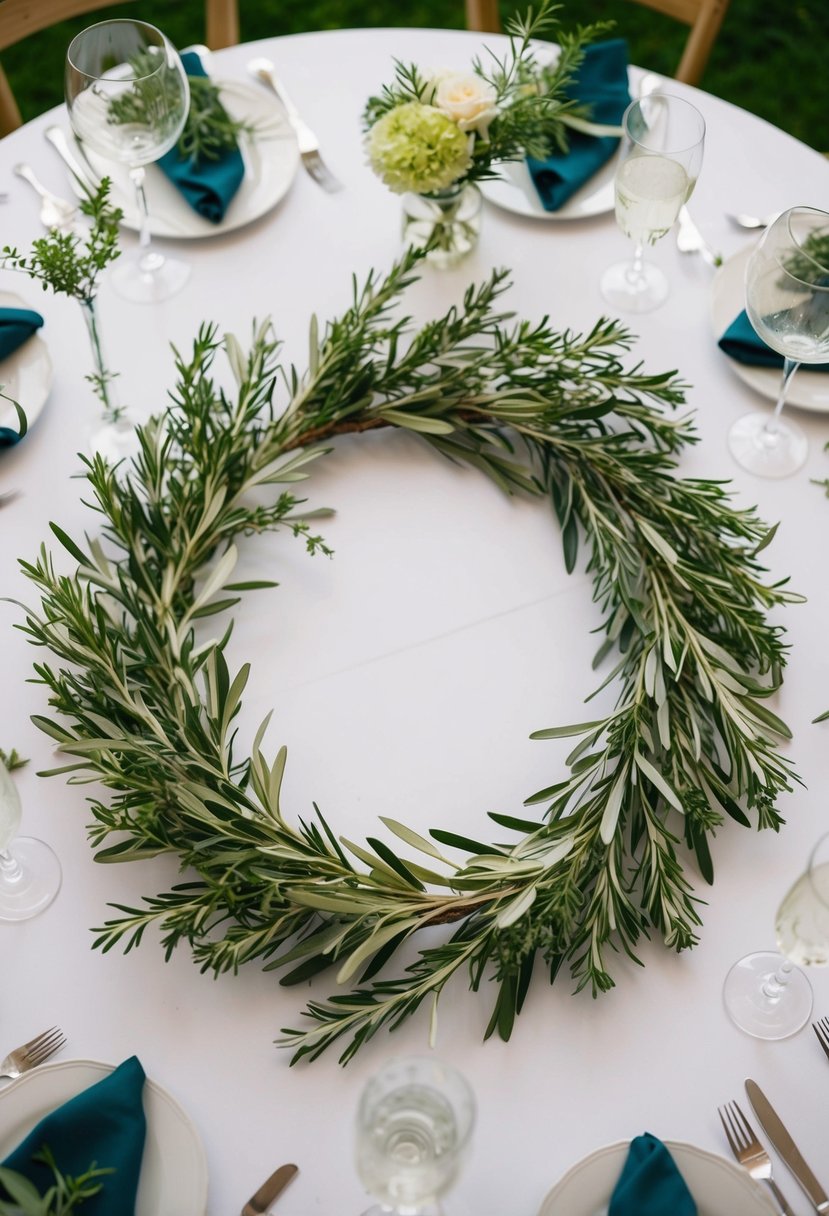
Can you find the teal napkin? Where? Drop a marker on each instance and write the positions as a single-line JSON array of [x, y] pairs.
[[16, 327], [742, 342], [602, 83], [105, 1124], [208, 185], [650, 1184]]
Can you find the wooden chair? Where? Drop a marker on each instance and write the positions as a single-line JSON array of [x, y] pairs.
[[19, 18], [703, 16]]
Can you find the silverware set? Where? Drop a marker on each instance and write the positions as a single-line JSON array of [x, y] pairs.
[[753, 1156]]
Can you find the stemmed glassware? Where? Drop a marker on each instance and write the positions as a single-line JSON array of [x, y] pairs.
[[128, 99], [787, 301], [765, 993], [661, 158], [414, 1122], [30, 873]]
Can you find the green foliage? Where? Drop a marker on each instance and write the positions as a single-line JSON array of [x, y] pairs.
[[142, 708], [12, 760], [208, 129], [63, 261], [64, 1196], [530, 96]]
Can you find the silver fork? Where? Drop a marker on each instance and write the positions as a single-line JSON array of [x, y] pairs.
[[821, 1029], [32, 1053], [749, 1151], [263, 69]]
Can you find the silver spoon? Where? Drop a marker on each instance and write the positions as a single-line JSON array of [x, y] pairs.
[[55, 213]]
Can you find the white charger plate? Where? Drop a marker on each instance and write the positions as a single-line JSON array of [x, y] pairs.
[[271, 159], [26, 376], [174, 1167], [808, 390], [719, 1187]]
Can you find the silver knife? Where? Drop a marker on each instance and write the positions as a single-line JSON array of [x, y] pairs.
[[689, 239], [268, 1191], [786, 1147], [307, 142], [83, 178]]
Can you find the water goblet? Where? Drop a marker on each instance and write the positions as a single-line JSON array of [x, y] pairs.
[[30, 873], [414, 1122], [661, 158], [787, 301], [128, 99], [766, 994]]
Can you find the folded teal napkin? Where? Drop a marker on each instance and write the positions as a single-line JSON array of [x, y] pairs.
[[208, 185], [105, 1124], [16, 327], [742, 342], [602, 83], [650, 1184]]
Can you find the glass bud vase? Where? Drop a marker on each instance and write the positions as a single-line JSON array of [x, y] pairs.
[[114, 435], [446, 223]]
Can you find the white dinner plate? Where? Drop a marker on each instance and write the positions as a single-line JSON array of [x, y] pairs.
[[719, 1187], [809, 390], [271, 158], [25, 376], [514, 190], [174, 1167]]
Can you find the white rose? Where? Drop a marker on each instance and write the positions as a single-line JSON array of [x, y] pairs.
[[467, 100]]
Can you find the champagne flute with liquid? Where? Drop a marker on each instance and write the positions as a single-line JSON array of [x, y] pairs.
[[414, 1122], [662, 151], [766, 994], [30, 873]]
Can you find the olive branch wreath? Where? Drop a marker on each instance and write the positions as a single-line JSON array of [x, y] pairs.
[[148, 710]]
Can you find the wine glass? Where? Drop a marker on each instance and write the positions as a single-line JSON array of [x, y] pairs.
[[30, 873], [787, 301], [128, 99], [414, 1122], [765, 993], [661, 159]]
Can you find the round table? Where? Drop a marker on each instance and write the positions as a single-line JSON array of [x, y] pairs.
[[407, 674]]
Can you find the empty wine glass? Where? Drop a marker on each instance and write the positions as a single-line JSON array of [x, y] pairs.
[[414, 1122], [787, 301], [30, 873], [661, 159], [765, 993], [128, 99]]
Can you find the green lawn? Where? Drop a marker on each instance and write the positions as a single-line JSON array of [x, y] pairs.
[[769, 57]]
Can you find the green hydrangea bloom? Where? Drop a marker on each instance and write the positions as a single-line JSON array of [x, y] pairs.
[[417, 147]]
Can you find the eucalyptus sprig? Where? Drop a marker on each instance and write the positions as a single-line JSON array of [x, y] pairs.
[[64, 1196], [148, 711]]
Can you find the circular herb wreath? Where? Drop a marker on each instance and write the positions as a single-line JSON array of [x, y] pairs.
[[149, 712]]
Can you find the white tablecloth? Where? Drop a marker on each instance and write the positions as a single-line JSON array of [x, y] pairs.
[[407, 674]]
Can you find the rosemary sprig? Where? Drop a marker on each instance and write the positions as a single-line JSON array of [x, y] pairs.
[[64, 1196], [144, 710]]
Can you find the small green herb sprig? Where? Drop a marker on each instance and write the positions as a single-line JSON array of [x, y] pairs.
[[208, 129], [66, 263], [12, 760], [149, 711], [64, 1196]]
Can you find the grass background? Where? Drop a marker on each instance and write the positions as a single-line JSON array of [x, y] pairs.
[[770, 56]]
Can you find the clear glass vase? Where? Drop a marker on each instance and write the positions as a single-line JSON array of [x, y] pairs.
[[114, 434], [446, 223]]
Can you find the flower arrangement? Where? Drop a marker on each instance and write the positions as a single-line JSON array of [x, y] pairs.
[[428, 133]]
